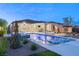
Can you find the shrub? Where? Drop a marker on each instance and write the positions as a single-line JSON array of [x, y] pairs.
[[25, 41], [15, 42], [1, 33], [15, 45], [33, 47]]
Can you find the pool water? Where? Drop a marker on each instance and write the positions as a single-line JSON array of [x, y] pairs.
[[49, 38], [53, 39], [60, 40]]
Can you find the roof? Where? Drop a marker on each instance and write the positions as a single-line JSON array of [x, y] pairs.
[[29, 21], [55, 22], [35, 21], [68, 26]]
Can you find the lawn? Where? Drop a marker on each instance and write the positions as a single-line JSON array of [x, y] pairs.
[[46, 53]]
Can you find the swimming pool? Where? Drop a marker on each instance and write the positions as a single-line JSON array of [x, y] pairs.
[[60, 40], [51, 39]]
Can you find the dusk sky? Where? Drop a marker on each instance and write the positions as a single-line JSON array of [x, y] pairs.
[[44, 12]]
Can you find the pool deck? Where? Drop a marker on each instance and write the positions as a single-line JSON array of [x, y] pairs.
[[65, 49]]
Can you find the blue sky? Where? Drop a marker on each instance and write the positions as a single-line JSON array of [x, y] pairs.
[[45, 12]]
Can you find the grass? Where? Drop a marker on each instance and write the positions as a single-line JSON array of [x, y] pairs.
[[46, 53], [3, 45]]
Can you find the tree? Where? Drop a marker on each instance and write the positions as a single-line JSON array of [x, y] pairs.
[[3, 24], [67, 21]]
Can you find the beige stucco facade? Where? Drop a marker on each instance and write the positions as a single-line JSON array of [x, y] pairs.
[[40, 27], [68, 29], [31, 27], [54, 27]]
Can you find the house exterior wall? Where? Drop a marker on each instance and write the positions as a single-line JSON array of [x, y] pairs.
[[24, 27], [49, 27], [68, 29], [30, 27], [55, 27], [40, 27]]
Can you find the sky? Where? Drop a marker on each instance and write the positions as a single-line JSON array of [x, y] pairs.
[[39, 11]]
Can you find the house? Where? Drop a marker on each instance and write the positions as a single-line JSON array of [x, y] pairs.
[[68, 29], [29, 25]]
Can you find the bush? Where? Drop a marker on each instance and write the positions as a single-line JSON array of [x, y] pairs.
[[1, 33], [25, 41], [15, 43], [33, 47]]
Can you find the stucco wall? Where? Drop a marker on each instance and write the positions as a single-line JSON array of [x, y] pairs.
[[40, 27]]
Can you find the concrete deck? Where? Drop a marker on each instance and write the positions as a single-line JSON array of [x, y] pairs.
[[66, 49]]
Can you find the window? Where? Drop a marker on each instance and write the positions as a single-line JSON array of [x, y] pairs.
[[39, 26]]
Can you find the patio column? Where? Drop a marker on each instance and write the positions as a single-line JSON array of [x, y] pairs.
[[45, 32]]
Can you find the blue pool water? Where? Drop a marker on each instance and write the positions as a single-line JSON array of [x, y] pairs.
[[49, 38], [53, 39]]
